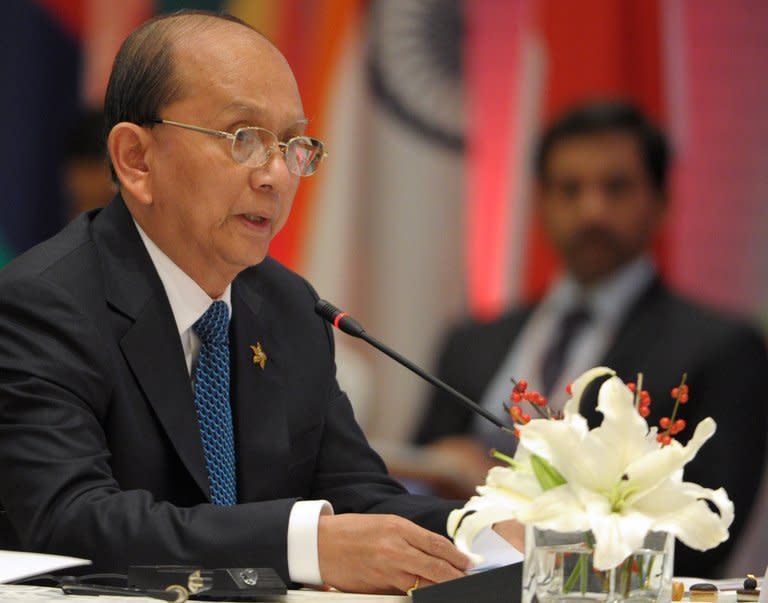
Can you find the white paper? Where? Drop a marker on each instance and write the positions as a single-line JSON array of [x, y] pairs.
[[15, 565], [495, 550]]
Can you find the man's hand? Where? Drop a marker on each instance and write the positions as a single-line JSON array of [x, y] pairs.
[[383, 554]]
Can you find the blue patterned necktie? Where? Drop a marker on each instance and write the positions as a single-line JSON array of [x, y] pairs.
[[212, 402]]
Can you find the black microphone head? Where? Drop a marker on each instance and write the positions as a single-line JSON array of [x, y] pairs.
[[327, 310], [339, 319]]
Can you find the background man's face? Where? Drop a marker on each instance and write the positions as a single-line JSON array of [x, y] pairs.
[[597, 203], [214, 214]]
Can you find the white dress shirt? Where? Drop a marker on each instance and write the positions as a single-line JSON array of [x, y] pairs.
[[188, 303], [608, 303]]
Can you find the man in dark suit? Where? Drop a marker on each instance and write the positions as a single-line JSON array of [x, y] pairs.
[[137, 423], [601, 174]]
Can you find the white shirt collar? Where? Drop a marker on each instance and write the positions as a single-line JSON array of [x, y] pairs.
[[610, 298], [188, 300]]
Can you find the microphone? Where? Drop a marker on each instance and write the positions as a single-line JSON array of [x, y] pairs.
[[344, 322]]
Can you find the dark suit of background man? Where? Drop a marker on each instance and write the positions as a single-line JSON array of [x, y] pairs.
[[601, 174], [100, 447]]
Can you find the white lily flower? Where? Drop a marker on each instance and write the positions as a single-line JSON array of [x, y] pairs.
[[617, 481], [505, 491]]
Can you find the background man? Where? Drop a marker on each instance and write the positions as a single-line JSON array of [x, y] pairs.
[[601, 174], [137, 424]]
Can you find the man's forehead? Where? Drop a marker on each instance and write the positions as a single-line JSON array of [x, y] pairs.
[[609, 147], [241, 74], [211, 53], [255, 111]]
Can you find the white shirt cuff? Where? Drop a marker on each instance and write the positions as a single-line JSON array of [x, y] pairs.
[[303, 560]]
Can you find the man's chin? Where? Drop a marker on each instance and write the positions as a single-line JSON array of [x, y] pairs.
[[245, 261], [255, 261], [592, 272]]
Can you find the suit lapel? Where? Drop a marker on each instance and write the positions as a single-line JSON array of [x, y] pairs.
[[151, 344], [261, 430], [639, 329]]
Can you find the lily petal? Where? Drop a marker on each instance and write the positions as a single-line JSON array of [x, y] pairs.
[[681, 509], [580, 384], [556, 509], [617, 536], [465, 531], [580, 457], [616, 403], [516, 485], [651, 469]]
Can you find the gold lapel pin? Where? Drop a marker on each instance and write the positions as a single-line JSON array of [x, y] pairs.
[[259, 357]]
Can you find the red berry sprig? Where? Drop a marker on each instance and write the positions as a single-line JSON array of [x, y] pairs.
[[642, 396], [520, 394], [644, 403], [671, 426]]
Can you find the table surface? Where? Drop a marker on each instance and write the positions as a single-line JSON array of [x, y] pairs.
[[39, 594], [12, 594]]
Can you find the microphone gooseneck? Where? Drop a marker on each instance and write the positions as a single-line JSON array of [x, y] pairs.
[[342, 321]]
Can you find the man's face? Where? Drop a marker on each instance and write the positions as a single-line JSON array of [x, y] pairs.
[[213, 216], [597, 203]]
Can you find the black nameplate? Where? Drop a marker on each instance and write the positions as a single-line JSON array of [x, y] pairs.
[[500, 585]]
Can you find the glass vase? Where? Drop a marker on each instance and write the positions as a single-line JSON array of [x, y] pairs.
[[558, 567]]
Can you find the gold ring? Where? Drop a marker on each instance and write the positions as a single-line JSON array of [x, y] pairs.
[[409, 592]]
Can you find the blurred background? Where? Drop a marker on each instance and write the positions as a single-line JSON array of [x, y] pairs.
[[422, 211]]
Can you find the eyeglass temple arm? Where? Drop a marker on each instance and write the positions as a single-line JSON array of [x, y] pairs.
[[218, 133]]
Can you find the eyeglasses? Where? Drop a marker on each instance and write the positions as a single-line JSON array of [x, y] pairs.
[[253, 146]]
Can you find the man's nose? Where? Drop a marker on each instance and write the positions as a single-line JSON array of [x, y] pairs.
[[594, 204], [274, 172]]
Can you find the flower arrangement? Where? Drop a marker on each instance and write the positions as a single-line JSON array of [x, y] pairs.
[[617, 482]]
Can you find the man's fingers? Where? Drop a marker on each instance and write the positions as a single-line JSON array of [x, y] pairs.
[[384, 553], [438, 546], [417, 582], [430, 568]]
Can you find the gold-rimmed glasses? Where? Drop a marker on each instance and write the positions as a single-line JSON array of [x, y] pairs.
[[253, 146]]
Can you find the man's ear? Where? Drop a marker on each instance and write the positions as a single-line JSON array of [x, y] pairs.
[[128, 145]]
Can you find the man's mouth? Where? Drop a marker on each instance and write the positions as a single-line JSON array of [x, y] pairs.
[[256, 220]]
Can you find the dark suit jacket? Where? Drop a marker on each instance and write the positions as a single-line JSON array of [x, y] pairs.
[[100, 453], [662, 336]]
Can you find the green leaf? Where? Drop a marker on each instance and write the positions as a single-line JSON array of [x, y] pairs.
[[546, 474]]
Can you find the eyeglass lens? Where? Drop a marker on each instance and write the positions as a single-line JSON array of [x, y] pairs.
[[253, 146]]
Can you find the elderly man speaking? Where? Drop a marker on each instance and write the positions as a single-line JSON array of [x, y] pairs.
[[167, 394]]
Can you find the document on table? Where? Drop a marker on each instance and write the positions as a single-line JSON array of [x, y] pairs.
[[15, 565], [495, 550]]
